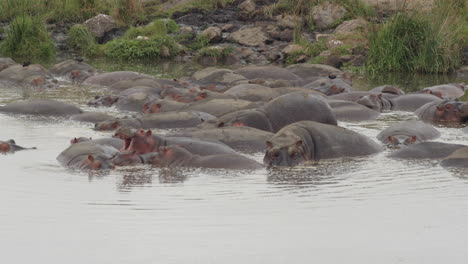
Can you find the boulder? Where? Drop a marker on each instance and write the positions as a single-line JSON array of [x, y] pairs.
[[327, 14], [5, 63], [100, 25], [213, 34], [247, 6], [351, 26], [253, 37]]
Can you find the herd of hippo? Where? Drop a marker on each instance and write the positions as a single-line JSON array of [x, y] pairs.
[[291, 114]]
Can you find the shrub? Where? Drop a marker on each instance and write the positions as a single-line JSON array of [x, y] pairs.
[[157, 28], [82, 40], [27, 39], [200, 42], [156, 47], [414, 41]]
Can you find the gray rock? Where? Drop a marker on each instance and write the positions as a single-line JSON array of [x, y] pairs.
[[327, 14], [253, 37], [100, 25]]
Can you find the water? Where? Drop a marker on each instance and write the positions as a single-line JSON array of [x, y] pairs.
[[361, 210]]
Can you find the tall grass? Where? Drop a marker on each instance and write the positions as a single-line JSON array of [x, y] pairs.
[[27, 39], [416, 41], [82, 40]]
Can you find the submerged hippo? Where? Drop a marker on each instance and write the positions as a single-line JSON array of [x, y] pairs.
[[176, 156], [110, 78], [348, 111], [390, 89], [408, 132], [91, 117], [426, 150], [407, 102], [446, 91], [44, 107], [458, 159], [445, 112], [280, 112], [329, 86], [10, 146], [253, 92], [90, 154], [74, 70], [33, 75], [268, 73], [175, 119], [307, 140]]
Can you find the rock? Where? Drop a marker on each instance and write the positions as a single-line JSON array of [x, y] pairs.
[[229, 28], [327, 14], [292, 48], [462, 73], [323, 36], [253, 37], [351, 26], [288, 21], [313, 72], [101, 25], [247, 6], [5, 63], [213, 34], [186, 30]]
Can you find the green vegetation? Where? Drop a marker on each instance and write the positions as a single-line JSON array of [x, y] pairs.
[[200, 42], [154, 48], [220, 54], [157, 28], [416, 41], [207, 5], [128, 11], [82, 40], [27, 39]]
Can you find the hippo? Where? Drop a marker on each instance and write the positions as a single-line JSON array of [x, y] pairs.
[[408, 102], [446, 112], [446, 91], [348, 111], [206, 94], [253, 92], [33, 75], [312, 141], [143, 142], [105, 100], [91, 117], [44, 107], [10, 146], [113, 142], [237, 137], [390, 89], [133, 99], [6, 62], [110, 78], [147, 82], [407, 132], [175, 119], [215, 107], [354, 96], [176, 156], [90, 154], [219, 77], [458, 159], [426, 150], [284, 110], [269, 73], [74, 70], [330, 86], [312, 72], [127, 158]]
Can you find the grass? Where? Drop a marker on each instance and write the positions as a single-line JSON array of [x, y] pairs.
[[82, 40], [27, 39], [155, 48], [207, 5], [158, 27], [422, 42]]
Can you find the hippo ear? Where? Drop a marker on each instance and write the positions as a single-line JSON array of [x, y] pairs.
[[379, 96], [74, 141], [298, 143], [269, 144], [203, 95], [439, 108], [91, 158], [145, 106], [115, 125], [221, 124], [448, 106], [149, 133], [413, 139], [391, 139]]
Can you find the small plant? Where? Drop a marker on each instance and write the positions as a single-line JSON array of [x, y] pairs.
[[27, 39], [200, 42], [81, 39], [156, 28]]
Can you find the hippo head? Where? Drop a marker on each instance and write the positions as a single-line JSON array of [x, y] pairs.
[[169, 155], [5, 147], [285, 151], [152, 108], [396, 141], [142, 142], [435, 93], [372, 101], [201, 95], [450, 112], [108, 100], [126, 134], [126, 158], [107, 125], [335, 90], [96, 163]]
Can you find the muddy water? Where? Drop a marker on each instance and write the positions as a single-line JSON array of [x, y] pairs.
[[365, 210]]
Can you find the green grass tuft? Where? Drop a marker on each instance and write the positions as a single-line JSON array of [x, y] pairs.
[[82, 40], [27, 39], [154, 48]]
